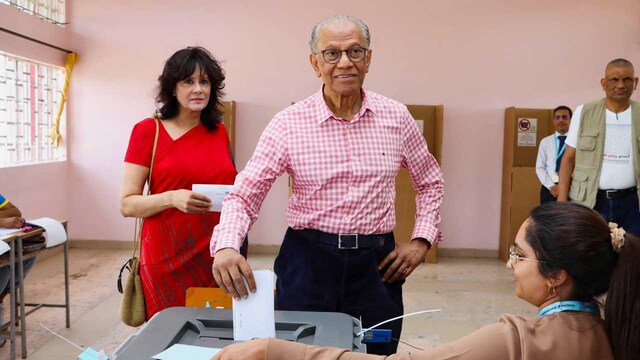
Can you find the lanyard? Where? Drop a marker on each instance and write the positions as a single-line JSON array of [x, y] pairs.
[[555, 145], [569, 306]]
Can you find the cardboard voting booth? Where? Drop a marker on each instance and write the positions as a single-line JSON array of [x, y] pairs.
[[430, 121], [523, 130]]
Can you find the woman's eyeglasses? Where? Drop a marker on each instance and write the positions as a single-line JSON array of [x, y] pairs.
[[514, 257]]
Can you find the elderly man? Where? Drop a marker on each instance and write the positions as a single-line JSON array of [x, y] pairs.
[[343, 147], [601, 165]]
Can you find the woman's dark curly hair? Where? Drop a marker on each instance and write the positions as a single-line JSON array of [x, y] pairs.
[[180, 66]]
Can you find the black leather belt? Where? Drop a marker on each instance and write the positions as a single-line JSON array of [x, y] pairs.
[[617, 194], [351, 241]]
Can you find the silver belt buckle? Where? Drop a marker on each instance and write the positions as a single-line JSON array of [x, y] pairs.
[[347, 247], [608, 192]]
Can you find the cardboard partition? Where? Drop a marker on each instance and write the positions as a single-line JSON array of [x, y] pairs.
[[430, 120], [229, 121], [523, 130]]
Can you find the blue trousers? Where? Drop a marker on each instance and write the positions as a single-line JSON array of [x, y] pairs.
[[5, 274], [623, 211], [316, 276]]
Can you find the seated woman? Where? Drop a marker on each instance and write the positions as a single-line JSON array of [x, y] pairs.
[[564, 256]]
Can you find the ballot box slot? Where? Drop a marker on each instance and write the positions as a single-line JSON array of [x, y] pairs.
[[302, 334]]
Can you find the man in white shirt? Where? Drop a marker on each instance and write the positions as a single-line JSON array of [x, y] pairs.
[[601, 163], [550, 154]]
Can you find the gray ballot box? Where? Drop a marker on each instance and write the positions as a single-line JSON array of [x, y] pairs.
[[214, 328]]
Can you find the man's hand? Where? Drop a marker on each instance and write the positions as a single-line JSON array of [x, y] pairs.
[[554, 190], [13, 222], [228, 269], [403, 259], [250, 350]]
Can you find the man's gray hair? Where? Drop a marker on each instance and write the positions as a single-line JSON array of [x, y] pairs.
[[339, 19]]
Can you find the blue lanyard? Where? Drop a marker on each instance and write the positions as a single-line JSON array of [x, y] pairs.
[[569, 306], [555, 145]]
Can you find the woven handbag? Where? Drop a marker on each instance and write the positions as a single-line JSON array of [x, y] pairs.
[[132, 308]]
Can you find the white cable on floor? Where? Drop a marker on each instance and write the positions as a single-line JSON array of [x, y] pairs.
[[396, 318], [60, 336], [69, 341]]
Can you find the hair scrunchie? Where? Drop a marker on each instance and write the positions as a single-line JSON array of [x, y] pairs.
[[617, 237]]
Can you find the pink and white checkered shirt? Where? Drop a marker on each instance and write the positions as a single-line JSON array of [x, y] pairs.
[[343, 172]]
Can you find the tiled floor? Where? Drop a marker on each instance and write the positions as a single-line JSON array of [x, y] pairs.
[[470, 292]]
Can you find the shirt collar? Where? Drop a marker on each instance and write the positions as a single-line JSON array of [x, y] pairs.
[[325, 112]]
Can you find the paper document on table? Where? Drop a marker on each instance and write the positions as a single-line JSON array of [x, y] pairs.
[[5, 232], [254, 317], [191, 352], [54, 232], [216, 193], [4, 247]]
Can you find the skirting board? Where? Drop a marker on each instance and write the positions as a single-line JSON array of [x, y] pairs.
[[467, 253], [273, 249]]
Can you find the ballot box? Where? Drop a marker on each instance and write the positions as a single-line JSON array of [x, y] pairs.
[[214, 328]]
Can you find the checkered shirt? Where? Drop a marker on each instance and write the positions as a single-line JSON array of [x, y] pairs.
[[343, 172]]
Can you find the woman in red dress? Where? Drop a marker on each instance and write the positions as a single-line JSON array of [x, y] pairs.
[[193, 148]]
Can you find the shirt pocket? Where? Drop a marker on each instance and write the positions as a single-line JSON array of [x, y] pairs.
[[588, 138], [381, 153]]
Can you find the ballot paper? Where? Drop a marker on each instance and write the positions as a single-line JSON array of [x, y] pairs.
[[54, 231], [191, 352], [216, 193], [254, 317]]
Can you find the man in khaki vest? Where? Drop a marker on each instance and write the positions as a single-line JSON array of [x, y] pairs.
[[601, 165]]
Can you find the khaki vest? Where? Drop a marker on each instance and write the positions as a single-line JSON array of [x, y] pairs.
[[590, 149]]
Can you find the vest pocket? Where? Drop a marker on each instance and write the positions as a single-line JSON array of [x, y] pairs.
[[588, 139], [578, 188]]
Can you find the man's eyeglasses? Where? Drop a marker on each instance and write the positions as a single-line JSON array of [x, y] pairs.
[[355, 54], [628, 81], [563, 117], [514, 257]]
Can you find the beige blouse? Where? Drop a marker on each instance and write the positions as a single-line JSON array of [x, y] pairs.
[[563, 335]]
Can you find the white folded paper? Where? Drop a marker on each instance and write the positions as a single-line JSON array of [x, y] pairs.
[[54, 231], [6, 232], [254, 317], [4, 247], [216, 193]]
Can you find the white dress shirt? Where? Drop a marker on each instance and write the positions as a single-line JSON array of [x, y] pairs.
[[546, 161]]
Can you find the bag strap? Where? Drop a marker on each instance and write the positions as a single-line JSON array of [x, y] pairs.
[[139, 221]]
